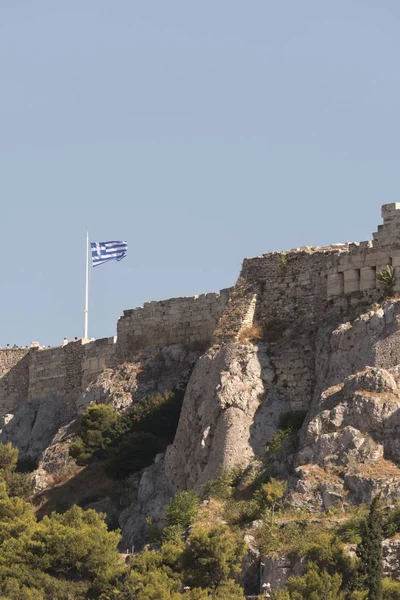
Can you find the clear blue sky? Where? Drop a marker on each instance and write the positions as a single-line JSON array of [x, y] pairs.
[[201, 132]]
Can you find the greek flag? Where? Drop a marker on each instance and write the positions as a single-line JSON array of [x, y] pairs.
[[105, 251]]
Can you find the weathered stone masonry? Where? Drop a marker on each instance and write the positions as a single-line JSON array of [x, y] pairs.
[[175, 321], [287, 294], [32, 373]]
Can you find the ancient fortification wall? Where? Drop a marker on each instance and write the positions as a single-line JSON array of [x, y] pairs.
[[174, 321], [305, 286], [14, 377], [33, 373], [286, 294]]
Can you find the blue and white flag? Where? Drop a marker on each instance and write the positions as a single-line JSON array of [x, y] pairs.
[[105, 251]]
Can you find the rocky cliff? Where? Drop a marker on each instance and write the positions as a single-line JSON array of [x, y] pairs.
[[284, 341]]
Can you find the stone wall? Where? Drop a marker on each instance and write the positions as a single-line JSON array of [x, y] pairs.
[[174, 321], [305, 286], [99, 355], [14, 377], [284, 294], [47, 372], [33, 373]]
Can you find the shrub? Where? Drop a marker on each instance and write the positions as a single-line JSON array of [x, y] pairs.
[[291, 538], [8, 457], [223, 485], [269, 494], [249, 333], [275, 444], [127, 442], [100, 426], [157, 414], [19, 484], [387, 279], [135, 452], [327, 551], [315, 585], [350, 531], [213, 555], [182, 510], [391, 523], [390, 589]]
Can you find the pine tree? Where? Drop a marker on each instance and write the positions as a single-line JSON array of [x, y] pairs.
[[369, 552]]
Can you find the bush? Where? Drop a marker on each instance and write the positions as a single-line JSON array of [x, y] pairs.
[[391, 523], [223, 485], [391, 589], [350, 531], [135, 452], [269, 495], [212, 556], [127, 442], [182, 510], [8, 458], [157, 414], [387, 279], [315, 585], [19, 484], [100, 427]]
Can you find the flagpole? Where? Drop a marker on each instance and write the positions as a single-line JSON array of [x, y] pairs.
[[85, 334]]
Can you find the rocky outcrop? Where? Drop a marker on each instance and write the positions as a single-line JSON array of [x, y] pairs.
[[151, 371], [231, 409], [350, 443], [33, 425], [153, 492]]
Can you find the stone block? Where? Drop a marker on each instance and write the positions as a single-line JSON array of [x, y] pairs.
[[367, 278], [335, 285], [351, 281], [388, 210]]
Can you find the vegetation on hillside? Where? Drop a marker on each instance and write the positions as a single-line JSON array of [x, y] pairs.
[[197, 551], [127, 442]]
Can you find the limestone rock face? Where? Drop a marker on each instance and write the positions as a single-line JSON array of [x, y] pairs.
[[391, 558], [150, 371], [349, 444], [230, 411], [34, 424], [153, 494]]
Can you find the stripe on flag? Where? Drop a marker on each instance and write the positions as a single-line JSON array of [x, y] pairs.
[[104, 251]]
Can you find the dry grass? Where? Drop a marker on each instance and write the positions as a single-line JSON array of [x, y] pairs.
[[211, 513], [249, 333], [381, 469]]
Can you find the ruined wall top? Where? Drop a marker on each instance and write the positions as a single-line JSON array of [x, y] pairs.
[[388, 234]]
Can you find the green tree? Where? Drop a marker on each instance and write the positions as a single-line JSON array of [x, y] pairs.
[[369, 552], [134, 452], [212, 556], [149, 577], [314, 585], [268, 496], [100, 427], [8, 458], [182, 510], [328, 552], [18, 484]]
